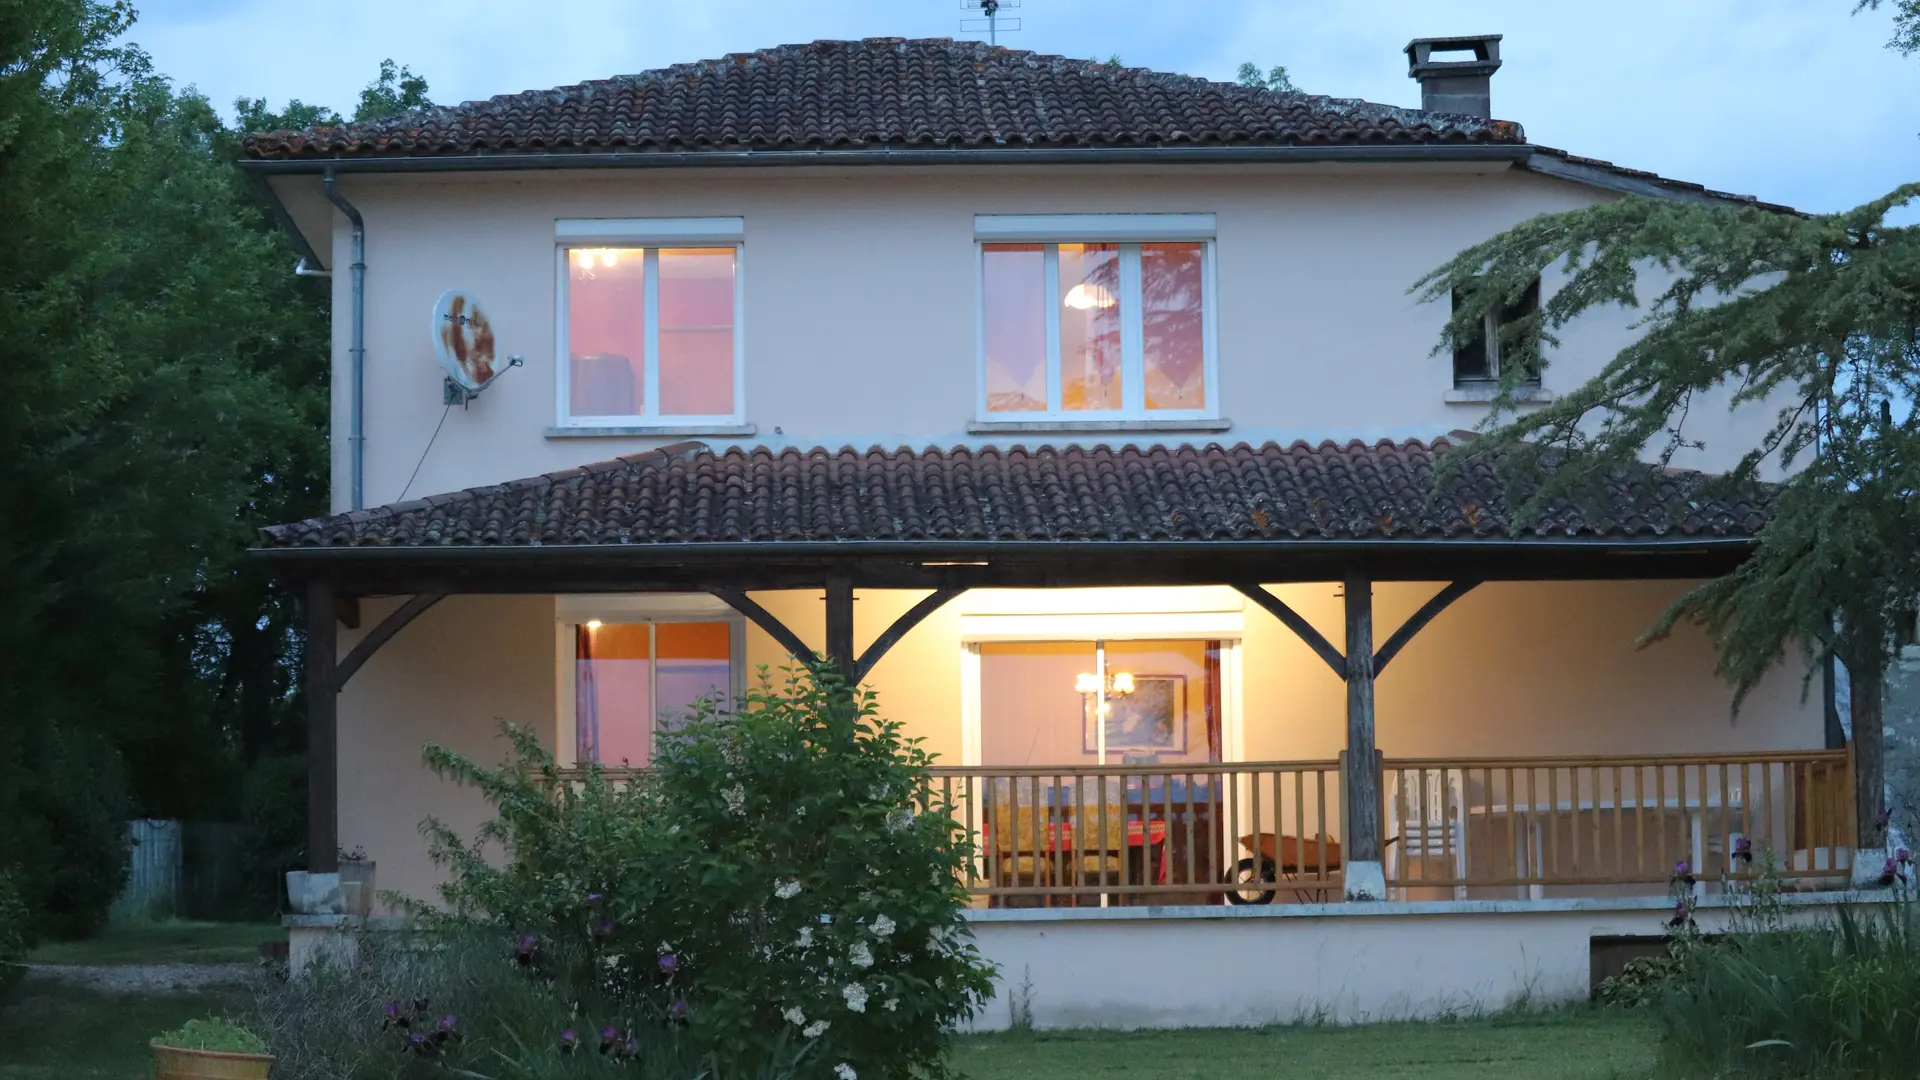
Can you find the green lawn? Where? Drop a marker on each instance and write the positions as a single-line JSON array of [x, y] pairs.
[[61, 1033], [1565, 1046], [172, 941]]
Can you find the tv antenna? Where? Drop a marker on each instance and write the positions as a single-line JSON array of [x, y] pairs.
[[994, 22]]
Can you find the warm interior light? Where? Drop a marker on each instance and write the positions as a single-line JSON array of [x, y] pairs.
[[1123, 683], [1088, 295], [1086, 683], [608, 257], [593, 624]]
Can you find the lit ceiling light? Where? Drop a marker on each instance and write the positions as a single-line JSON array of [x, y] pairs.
[[593, 624], [1088, 295], [609, 256], [1119, 684]]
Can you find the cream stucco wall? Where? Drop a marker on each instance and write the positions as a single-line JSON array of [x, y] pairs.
[[859, 309], [451, 677]]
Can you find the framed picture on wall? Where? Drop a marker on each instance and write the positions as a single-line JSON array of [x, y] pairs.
[[1152, 719]]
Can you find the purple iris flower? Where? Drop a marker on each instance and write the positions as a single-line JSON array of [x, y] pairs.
[[568, 1040], [668, 961]]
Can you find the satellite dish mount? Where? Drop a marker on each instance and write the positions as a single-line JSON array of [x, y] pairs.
[[463, 341]]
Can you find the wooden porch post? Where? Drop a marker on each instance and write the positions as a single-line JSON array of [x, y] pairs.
[[840, 652], [1365, 876], [323, 730]]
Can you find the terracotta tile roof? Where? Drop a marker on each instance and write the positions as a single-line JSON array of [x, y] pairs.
[[883, 92], [691, 495]]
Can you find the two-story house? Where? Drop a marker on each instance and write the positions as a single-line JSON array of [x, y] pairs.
[[1082, 412]]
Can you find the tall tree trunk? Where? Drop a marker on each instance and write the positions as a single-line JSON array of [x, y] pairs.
[[1866, 703]]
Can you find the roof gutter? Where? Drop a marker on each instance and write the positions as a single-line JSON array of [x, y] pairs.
[[934, 550], [898, 156]]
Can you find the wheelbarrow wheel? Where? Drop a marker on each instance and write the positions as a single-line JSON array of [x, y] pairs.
[[1246, 879]]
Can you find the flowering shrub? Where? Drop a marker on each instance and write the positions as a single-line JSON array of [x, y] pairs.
[[780, 884]]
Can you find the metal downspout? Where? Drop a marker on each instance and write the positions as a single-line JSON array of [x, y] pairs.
[[356, 414]]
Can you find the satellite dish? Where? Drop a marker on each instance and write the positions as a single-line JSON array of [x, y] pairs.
[[463, 340]]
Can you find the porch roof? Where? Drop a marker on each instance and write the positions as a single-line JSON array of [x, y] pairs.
[[984, 516]]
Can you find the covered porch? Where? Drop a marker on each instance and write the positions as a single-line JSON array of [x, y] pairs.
[[1149, 774]]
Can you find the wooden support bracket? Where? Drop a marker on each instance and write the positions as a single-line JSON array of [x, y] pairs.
[[739, 601], [380, 635], [1418, 621], [913, 616], [1293, 621]]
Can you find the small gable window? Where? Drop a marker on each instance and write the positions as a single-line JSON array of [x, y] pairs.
[[1477, 361]]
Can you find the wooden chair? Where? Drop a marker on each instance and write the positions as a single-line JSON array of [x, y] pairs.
[[1017, 843], [1100, 842]]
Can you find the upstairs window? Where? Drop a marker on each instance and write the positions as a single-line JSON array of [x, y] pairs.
[[1477, 362], [1096, 329], [649, 333]]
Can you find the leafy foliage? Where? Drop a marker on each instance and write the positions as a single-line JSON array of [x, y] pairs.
[[164, 394], [16, 934], [1811, 317], [214, 1033], [1838, 999], [455, 1001], [1276, 78], [780, 879]]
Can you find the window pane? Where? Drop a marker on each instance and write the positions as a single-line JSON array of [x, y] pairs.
[[1089, 326], [695, 661], [696, 331], [606, 330], [1014, 296], [1168, 714], [1031, 712], [1171, 287], [613, 694], [1470, 360]]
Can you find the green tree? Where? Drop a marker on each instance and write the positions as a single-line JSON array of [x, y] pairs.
[[1812, 319], [1276, 78], [163, 394]]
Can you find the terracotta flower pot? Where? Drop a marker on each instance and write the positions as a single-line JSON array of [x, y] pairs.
[[174, 1063]]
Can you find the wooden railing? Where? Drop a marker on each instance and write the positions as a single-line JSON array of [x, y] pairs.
[[1161, 834], [1537, 822]]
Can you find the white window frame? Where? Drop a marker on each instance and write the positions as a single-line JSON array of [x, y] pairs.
[[1129, 231], [650, 234], [572, 611]]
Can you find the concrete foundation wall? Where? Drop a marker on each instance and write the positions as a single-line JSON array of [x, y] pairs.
[[1239, 967]]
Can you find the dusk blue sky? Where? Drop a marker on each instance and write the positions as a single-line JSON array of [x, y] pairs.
[[1792, 100]]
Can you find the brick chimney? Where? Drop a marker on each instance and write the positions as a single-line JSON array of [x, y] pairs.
[[1454, 72]]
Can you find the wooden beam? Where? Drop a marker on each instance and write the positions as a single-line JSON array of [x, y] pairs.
[[1362, 782], [1293, 621], [765, 620], [380, 635], [929, 604], [323, 730], [1418, 621], [840, 627], [347, 610]]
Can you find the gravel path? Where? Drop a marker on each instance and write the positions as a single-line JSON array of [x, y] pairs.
[[144, 978]]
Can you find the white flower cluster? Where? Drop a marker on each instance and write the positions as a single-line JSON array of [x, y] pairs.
[[856, 996], [815, 1029], [893, 1004], [787, 890], [794, 1016], [861, 956], [845, 1072], [736, 797], [805, 940], [882, 926]]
